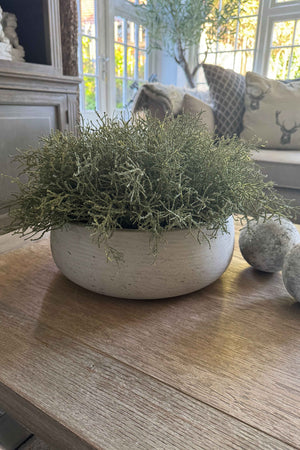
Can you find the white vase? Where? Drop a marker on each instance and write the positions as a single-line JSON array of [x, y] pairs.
[[182, 265]]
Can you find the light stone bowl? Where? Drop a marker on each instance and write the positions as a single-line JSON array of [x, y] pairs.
[[182, 265]]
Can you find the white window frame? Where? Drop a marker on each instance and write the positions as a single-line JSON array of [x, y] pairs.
[[127, 11], [271, 12], [106, 10], [97, 37], [235, 50]]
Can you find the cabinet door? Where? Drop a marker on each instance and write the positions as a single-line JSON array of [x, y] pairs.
[[24, 118], [20, 127]]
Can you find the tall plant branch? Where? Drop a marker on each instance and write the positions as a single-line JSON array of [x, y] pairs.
[[176, 27], [184, 64]]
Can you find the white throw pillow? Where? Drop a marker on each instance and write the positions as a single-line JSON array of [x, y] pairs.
[[272, 112]]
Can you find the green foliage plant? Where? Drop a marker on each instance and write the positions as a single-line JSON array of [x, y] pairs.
[[140, 174], [177, 26]]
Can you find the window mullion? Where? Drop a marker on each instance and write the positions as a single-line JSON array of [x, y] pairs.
[[236, 39], [136, 52], [125, 64], [147, 74], [79, 53]]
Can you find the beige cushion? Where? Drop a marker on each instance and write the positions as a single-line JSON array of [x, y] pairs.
[[282, 166], [272, 112], [194, 105]]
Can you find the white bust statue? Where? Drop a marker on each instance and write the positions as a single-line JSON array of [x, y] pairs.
[[3, 38], [5, 46], [8, 35]]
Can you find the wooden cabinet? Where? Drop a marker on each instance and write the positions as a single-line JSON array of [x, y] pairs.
[[35, 96]]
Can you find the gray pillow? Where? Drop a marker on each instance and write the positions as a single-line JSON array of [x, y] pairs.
[[227, 90]]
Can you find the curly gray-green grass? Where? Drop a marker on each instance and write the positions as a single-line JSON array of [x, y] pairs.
[[139, 174]]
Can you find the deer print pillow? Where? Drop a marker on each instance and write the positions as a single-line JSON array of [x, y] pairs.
[[272, 112]]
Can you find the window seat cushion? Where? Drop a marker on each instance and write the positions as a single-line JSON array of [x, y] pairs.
[[281, 166]]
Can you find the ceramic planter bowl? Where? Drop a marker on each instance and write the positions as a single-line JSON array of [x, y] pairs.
[[182, 265]]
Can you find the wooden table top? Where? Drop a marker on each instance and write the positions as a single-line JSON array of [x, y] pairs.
[[215, 369]]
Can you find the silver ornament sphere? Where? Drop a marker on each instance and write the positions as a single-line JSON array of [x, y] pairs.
[[265, 244], [291, 272]]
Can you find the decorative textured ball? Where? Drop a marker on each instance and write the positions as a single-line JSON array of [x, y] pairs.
[[265, 244], [291, 272]]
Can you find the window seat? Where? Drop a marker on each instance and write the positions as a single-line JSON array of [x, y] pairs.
[[283, 168]]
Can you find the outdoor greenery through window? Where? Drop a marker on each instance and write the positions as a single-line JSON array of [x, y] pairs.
[[137, 2], [131, 59], [285, 50], [113, 59], [236, 49], [259, 41], [88, 51]]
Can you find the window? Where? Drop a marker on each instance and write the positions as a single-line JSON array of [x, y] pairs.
[[139, 2], [279, 39], [236, 49], [131, 59], [264, 37], [88, 54], [284, 59], [113, 59]]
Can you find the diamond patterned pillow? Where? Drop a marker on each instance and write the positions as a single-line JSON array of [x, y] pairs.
[[227, 91]]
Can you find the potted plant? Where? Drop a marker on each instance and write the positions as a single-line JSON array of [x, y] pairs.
[[140, 208]]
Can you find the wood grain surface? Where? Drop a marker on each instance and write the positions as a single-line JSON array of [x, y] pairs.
[[219, 368]]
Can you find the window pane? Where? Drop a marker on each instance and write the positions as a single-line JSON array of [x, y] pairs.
[[283, 33], [226, 60], [250, 8], [225, 4], [129, 92], [119, 94], [130, 67], [130, 33], [142, 37], [141, 66], [87, 13], [279, 62], [244, 62], [211, 58], [297, 33], [227, 42], [240, 36], [130, 61], [119, 29], [89, 55], [203, 43], [295, 65], [138, 2], [247, 33], [89, 93], [119, 60]]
